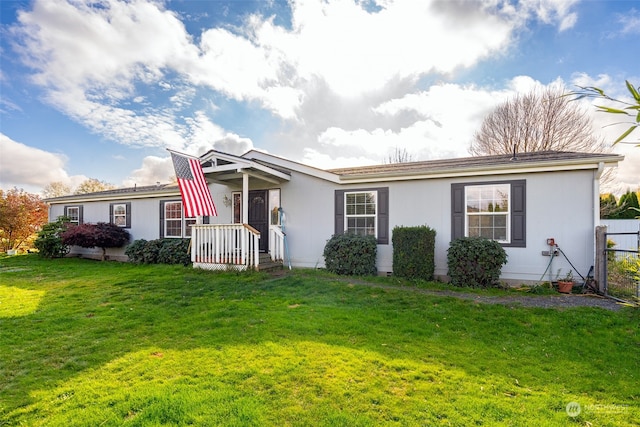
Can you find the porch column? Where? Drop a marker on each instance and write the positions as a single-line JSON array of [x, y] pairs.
[[245, 198]]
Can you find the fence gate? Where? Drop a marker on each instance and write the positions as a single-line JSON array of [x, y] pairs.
[[622, 266]]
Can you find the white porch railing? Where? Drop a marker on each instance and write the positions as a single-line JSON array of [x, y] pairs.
[[224, 246], [276, 243]]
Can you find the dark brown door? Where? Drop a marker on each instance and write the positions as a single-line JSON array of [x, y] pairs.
[[258, 215]]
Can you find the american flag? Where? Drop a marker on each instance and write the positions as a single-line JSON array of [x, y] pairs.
[[196, 196]]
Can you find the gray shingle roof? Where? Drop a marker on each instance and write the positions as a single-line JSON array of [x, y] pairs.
[[461, 163], [145, 189]]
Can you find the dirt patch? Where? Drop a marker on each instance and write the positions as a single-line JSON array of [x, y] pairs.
[[543, 301], [558, 301]]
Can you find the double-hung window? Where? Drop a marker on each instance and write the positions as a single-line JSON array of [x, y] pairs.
[[494, 210], [74, 214], [488, 211], [120, 214], [173, 221], [363, 211], [360, 212]]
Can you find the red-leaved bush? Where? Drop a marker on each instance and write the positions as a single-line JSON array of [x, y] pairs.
[[102, 235]]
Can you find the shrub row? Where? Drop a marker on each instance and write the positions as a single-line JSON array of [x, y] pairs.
[[471, 261], [159, 251]]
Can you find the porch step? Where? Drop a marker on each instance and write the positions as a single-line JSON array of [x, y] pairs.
[[267, 265]]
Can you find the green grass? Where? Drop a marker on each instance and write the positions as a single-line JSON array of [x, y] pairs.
[[84, 343]]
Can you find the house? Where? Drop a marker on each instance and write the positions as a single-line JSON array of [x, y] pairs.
[[520, 201]]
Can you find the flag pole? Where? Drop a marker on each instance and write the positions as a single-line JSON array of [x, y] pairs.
[[182, 154]]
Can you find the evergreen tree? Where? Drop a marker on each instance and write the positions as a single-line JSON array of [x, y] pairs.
[[628, 205]]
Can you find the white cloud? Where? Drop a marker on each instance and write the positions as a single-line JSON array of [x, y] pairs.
[[31, 168], [91, 59], [630, 22], [451, 113], [552, 12], [356, 51], [94, 60], [206, 135], [343, 78], [153, 170]]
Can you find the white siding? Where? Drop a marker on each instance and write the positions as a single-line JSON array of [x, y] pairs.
[[559, 205], [145, 221]]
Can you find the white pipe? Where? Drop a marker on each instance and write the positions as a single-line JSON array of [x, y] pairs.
[[596, 205]]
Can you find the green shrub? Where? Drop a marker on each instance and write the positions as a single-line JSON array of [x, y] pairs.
[[174, 251], [49, 241], [413, 252], [351, 254], [136, 251], [475, 262], [159, 251]]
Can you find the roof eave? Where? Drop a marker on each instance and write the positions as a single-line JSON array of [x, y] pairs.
[[80, 198], [499, 169]]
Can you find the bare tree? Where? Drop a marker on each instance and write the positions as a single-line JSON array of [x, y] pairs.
[[399, 155], [541, 120]]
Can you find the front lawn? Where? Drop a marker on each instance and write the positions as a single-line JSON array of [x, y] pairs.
[[85, 343]]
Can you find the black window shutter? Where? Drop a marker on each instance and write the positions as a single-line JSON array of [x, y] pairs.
[[518, 213], [383, 216], [128, 215], [111, 219], [80, 215], [161, 220], [206, 219], [339, 212], [457, 211]]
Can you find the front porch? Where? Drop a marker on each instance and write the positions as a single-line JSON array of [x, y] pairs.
[[254, 239], [235, 247]]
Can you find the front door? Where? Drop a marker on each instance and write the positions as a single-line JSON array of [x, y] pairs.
[[258, 215]]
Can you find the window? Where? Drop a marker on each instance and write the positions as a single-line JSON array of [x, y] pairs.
[[274, 206], [74, 213], [488, 211], [363, 211], [120, 214], [237, 207], [360, 213], [495, 210], [172, 220]]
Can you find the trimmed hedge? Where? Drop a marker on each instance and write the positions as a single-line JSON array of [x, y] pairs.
[[475, 262], [414, 252], [351, 254], [159, 251]]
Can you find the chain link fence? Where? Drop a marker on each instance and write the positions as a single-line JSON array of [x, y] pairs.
[[623, 266]]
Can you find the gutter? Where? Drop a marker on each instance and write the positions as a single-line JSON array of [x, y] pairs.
[[81, 198], [499, 169]]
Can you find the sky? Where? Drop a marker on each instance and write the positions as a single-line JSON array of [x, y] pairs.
[[100, 89]]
